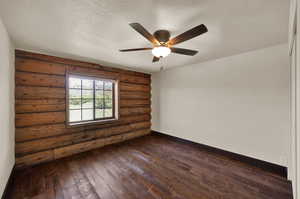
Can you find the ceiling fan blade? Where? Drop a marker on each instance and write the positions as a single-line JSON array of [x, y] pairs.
[[184, 51], [194, 32], [134, 49], [140, 29], [155, 59]]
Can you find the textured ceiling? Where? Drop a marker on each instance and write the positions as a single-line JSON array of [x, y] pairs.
[[94, 30]]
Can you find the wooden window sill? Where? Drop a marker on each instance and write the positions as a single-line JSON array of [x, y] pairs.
[[78, 124]]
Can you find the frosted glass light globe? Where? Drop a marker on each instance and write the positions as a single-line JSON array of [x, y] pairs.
[[161, 51]]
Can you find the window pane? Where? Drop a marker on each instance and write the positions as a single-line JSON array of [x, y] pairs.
[[99, 94], [99, 113], [108, 85], [87, 103], [108, 95], [99, 103], [87, 94], [108, 103], [75, 115], [99, 84], [74, 103], [108, 113], [90, 99], [87, 84], [74, 93], [87, 114], [74, 82]]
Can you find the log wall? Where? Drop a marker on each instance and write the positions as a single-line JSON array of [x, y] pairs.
[[41, 132]]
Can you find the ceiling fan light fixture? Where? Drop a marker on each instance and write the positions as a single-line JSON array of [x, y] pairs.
[[161, 51]]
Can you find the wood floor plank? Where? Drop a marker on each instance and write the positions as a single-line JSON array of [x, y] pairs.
[[197, 176], [150, 167], [185, 188], [120, 174], [248, 175], [95, 177]]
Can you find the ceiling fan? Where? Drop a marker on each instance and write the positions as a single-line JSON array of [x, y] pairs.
[[163, 45]]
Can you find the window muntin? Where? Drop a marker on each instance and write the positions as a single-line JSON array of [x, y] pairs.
[[90, 99]]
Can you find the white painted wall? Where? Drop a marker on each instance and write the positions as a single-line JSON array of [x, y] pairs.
[[297, 94], [238, 103], [7, 138], [294, 44]]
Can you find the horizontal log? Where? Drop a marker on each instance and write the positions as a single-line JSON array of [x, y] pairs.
[[134, 73], [39, 108], [140, 125], [134, 95], [74, 149], [39, 105], [24, 92], [86, 146], [134, 103], [52, 142], [99, 133], [43, 131], [35, 158], [134, 87], [136, 118], [92, 72], [136, 134], [135, 111], [31, 119], [35, 79], [39, 101], [134, 79], [64, 61], [33, 65]]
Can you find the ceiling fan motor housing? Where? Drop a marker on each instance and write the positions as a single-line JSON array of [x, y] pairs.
[[162, 36]]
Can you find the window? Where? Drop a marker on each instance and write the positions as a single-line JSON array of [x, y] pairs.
[[90, 100]]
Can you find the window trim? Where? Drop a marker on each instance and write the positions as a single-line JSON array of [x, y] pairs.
[[116, 99]]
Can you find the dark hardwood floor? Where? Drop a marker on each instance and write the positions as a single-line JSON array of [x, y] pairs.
[[150, 167]]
